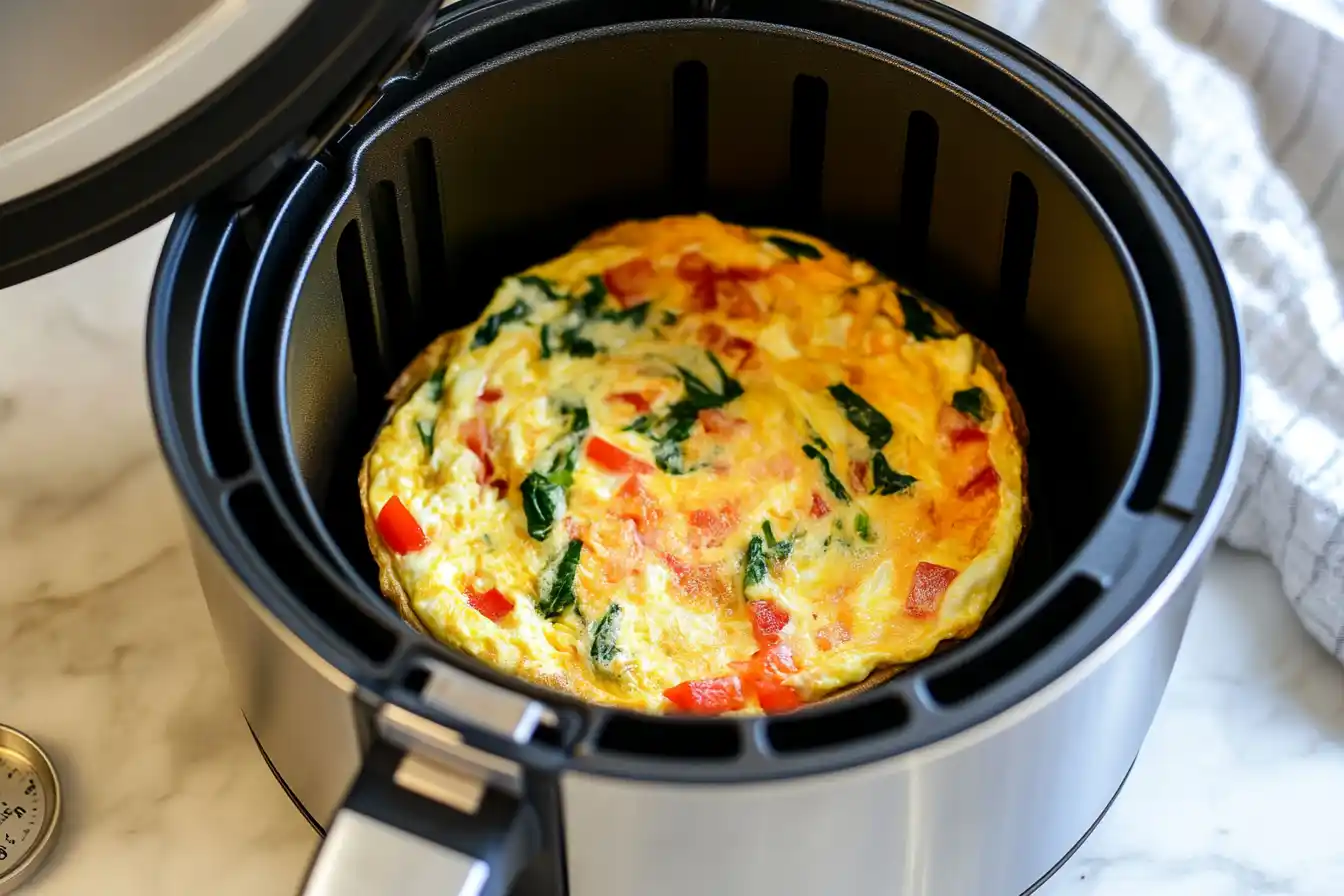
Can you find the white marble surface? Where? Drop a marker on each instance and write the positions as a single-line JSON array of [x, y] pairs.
[[107, 657]]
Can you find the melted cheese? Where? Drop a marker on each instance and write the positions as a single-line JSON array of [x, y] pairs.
[[671, 547]]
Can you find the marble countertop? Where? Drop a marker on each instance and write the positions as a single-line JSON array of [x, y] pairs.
[[108, 659]]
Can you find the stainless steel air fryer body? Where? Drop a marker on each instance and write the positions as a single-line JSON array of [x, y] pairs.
[[905, 133]]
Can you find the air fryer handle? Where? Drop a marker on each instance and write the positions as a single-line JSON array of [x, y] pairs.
[[387, 839]]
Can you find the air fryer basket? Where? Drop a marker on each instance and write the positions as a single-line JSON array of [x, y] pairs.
[[514, 162], [912, 139]]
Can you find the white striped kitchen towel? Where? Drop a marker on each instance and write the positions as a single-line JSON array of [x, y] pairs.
[[1244, 99]]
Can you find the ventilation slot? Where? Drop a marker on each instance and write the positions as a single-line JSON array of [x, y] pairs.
[[287, 560], [807, 144], [225, 449], [690, 132], [1034, 634], [430, 249], [1168, 428], [917, 176], [396, 294], [670, 740], [360, 320], [1019, 245], [858, 721]]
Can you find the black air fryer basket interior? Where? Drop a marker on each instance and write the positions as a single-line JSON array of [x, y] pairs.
[[909, 137]]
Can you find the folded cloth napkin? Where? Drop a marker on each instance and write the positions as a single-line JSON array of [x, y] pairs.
[[1244, 100]]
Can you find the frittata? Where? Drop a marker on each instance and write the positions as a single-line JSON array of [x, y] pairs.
[[696, 467]]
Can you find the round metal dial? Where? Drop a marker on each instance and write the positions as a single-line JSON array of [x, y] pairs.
[[30, 808]]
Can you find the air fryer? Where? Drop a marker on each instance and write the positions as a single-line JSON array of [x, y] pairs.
[[950, 157]]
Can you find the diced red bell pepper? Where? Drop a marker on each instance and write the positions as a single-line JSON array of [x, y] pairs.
[[399, 529], [490, 395], [960, 429], [694, 267], [775, 661], [712, 526], [927, 587], [609, 457], [833, 635], [711, 335], [741, 305], [634, 399], [492, 604], [967, 435], [777, 697], [631, 280], [819, 506], [704, 295], [981, 483], [716, 422], [858, 475], [767, 620], [763, 677], [638, 506], [743, 274], [737, 345], [476, 436], [709, 696], [704, 582]]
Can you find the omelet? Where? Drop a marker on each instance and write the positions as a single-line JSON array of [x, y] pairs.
[[697, 467]]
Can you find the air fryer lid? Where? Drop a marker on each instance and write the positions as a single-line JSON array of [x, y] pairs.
[[124, 112]]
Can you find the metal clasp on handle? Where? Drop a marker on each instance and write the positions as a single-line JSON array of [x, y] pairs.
[[364, 856], [430, 815]]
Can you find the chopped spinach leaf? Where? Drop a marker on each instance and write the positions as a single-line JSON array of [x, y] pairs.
[[679, 422], [578, 417], [564, 465], [769, 531], [919, 323], [887, 481], [815, 438], [559, 597], [434, 385], [669, 318], [729, 387], [604, 648], [835, 485], [675, 426], [487, 332], [667, 455], [547, 287], [545, 341], [795, 249], [779, 550], [862, 526], [755, 563], [577, 344], [864, 417], [641, 424], [697, 393], [543, 502], [635, 315], [597, 294], [426, 429], [567, 458], [970, 402], [701, 396]]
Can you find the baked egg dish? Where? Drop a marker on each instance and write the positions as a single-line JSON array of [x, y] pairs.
[[697, 467]]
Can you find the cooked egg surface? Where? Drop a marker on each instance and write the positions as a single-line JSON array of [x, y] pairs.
[[696, 467]]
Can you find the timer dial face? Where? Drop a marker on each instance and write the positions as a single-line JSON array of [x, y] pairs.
[[30, 808], [23, 809]]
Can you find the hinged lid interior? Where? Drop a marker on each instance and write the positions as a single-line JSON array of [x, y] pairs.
[[117, 113]]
